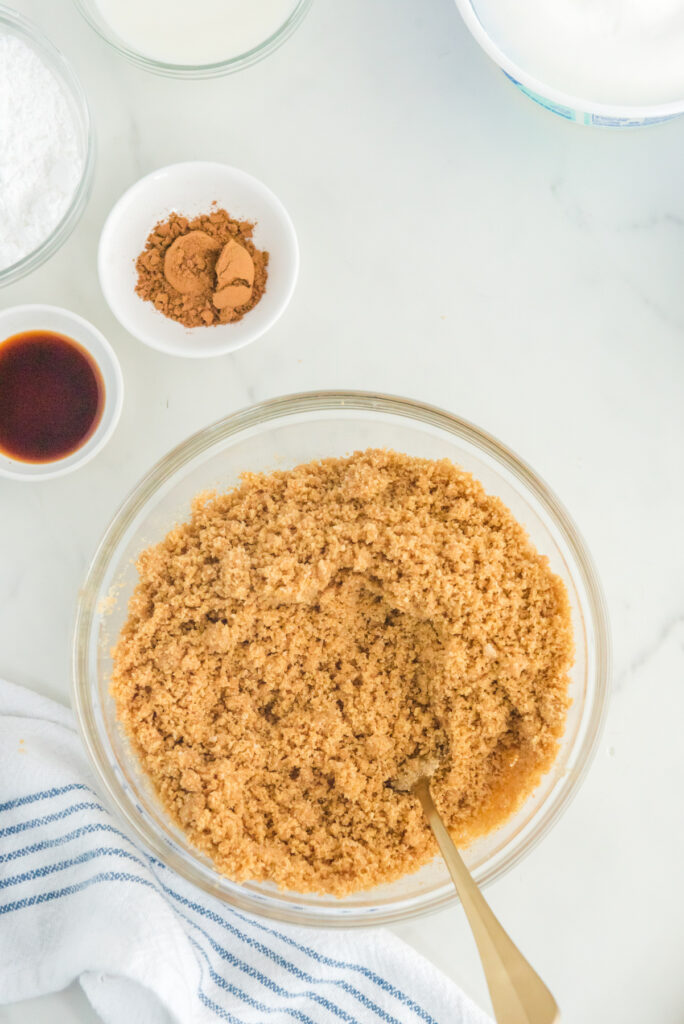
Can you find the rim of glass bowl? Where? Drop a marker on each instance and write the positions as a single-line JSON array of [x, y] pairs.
[[66, 76], [84, 688], [212, 70]]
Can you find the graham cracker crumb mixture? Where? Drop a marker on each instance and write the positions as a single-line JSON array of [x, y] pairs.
[[302, 636], [203, 271]]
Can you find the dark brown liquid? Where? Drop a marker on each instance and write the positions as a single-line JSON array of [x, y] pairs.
[[51, 396]]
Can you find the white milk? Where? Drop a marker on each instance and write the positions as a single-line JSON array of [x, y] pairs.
[[194, 31], [609, 51]]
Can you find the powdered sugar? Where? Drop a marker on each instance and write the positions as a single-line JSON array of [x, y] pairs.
[[41, 158]]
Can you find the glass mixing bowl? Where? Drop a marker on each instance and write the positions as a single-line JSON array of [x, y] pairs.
[[93, 15], [279, 434], [16, 24]]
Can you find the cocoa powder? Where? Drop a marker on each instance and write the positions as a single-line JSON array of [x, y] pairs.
[[202, 271]]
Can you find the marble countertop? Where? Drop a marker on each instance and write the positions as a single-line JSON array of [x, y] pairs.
[[464, 247]]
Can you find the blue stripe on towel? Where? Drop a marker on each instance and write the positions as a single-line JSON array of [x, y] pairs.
[[44, 795], [240, 965], [109, 876], [255, 1003], [215, 918], [23, 826], [281, 961], [215, 1008], [225, 954], [327, 961], [119, 876], [345, 965], [70, 890], [48, 844], [278, 990], [83, 858]]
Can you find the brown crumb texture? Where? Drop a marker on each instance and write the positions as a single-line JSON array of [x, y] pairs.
[[304, 635], [185, 269]]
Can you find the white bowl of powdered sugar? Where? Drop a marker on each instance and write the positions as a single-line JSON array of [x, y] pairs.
[[46, 149], [616, 63]]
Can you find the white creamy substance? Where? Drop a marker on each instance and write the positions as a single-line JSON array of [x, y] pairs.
[[40, 156], [194, 31], [609, 51]]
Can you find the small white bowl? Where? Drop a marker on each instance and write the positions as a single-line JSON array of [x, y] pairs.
[[190, 189], [18, 319]]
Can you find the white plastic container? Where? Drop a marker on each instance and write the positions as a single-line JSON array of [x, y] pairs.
[[572, 108]]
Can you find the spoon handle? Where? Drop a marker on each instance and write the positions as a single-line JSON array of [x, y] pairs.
[[518, 994]]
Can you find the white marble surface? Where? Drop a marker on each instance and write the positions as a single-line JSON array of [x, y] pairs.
[[461, 246]]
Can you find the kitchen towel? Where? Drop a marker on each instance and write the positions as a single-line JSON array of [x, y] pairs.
[[78, 899]]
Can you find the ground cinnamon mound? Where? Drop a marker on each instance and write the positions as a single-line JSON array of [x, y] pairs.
[[302, 636], [177, 269]]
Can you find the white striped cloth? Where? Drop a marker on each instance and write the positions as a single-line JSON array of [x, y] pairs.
[[78, 899]]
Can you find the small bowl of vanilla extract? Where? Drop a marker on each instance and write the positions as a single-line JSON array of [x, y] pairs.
[[61, 392]]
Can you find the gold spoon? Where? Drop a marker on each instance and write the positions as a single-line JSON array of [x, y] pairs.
[[518, 994]]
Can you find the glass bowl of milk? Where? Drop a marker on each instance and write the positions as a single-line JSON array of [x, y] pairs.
[[194, 38], [616, 63]]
